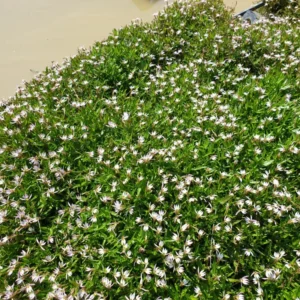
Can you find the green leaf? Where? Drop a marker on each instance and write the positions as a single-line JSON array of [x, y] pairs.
[[199, 168], [232, 280], [286, 87], [268, 162]]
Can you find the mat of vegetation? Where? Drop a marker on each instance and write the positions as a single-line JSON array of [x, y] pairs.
[[162, 163], [283, 8]]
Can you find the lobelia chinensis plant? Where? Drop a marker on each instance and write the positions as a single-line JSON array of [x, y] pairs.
[[161, 163], [290, 8]]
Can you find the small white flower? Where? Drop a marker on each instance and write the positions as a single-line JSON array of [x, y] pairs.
[[201, 274], [107, 283], [175, 237], [184, 227], [240, 296], [248, 252], [125, 116], [272, 275], [244, 280], [197, 291], [276, 183], [199, 213], [133, 297], [111, 124], [260, 292], [257, 151], [201, 233], [278, 255]]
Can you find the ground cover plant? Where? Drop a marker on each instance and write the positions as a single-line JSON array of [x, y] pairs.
[[162, 163], [290, 8]]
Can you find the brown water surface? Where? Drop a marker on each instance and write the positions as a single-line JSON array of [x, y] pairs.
[[34, 33]]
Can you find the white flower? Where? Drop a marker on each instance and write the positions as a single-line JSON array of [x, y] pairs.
[[125, 116], [276, 183], [197, 291], [248, 252], [118, 206], [240, 296], [145, 227], [184, 227], [199, 213], [69, 273], [219, 256], [244, 280], [260, 292], [180, 270], [123, 283], [297, 252], [278, 255], [16, 153], [106, 282], [133, 297], [201, 233], [111, 124], [176, 208], [272, 275], [257, 151], [175, 237], [201, 274]]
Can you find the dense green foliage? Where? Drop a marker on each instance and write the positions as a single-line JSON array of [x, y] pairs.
[[162, 163], [283, 8]]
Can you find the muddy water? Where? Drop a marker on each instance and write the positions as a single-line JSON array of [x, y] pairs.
[[35, 32]]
